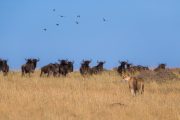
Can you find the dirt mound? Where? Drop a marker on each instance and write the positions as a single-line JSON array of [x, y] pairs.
[[161, 75]]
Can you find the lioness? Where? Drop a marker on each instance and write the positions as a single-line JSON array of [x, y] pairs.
[[135, 84]]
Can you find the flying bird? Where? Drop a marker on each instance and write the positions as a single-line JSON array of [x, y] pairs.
[[77, 22], [54, 10], [57, 24], [45, 29], [104, 20], [62, 16], [78, 16]]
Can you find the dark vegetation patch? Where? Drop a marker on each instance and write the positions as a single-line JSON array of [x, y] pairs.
[[159, 76]]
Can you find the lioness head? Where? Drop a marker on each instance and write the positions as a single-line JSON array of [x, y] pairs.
[[126, 77]]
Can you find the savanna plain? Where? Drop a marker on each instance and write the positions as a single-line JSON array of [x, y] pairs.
[[99, 97]]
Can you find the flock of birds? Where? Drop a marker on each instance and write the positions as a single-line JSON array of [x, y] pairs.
[[76, 22]]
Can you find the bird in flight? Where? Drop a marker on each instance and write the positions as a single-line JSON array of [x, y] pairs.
[[78, 16], [45, 29], [62, 16], [77, 22], [54, 10], [57, 24], [104, 20]]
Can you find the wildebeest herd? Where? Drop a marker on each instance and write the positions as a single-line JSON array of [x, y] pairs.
[[56, 69], [126, 67], [63, 67], [85, 69]]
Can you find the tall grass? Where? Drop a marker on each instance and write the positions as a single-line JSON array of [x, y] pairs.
[[101, 97]]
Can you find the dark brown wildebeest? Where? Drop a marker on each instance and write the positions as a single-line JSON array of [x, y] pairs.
[[129, 65], [85, 68], [130, 68], [70, 66], [122, 68], [50, 69], [160, 67], [29, 67], [46, 70], [98, 68], [139, 68], [4, 67], [55, 69], [63, 67], [1, 64], [35, 63]]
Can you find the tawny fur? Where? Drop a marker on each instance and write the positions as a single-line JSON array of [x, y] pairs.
[[135, 84]]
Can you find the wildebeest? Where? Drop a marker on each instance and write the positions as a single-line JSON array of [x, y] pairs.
[[135, 84], [50, 69], [4, 67], [85, 68], [122, 67], [29, 67], [160, 67], [47, 69], [70, 66], [130, 68], [64, 67], [1, 64], [55, 69], [98, 68], [140, 68]]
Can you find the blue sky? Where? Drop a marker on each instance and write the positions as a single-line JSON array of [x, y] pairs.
[[143, 32]]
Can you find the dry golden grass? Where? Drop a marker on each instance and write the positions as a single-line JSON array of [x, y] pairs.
[[101, 97]]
